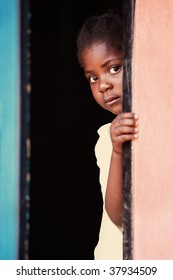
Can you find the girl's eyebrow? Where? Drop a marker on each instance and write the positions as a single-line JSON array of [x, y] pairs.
[[88, 72], [106, 63], [111, 60]]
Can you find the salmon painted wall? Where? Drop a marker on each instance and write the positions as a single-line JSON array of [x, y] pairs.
[[152, 153]]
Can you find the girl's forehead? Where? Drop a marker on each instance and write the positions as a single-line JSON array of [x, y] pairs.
[[100, 47], [99, 52], [99, 57]]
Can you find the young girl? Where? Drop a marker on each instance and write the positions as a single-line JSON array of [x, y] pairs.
[[100, 54]]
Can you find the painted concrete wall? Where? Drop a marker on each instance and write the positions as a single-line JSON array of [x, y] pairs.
[[152, 159]]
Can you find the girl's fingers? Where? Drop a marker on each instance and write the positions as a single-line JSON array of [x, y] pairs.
[[127, 115], [124, 122], [128, 122], [129, 119], [124, 130], [125, 137]]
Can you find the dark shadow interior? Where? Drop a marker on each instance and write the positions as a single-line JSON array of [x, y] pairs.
[[66, 200]]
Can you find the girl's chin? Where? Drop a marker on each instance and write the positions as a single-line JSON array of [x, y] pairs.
[[116, 111]]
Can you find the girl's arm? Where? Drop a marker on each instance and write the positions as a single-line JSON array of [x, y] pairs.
[[123, 128], [113, 197]]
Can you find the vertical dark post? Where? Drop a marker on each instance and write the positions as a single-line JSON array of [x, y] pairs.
[[25, 88], [128, 17]]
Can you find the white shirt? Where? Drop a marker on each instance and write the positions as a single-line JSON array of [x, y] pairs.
[[110, 237]]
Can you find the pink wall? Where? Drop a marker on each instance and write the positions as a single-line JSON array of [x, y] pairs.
[[152, 153]]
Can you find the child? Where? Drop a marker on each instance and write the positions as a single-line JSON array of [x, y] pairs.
[[100, 54]]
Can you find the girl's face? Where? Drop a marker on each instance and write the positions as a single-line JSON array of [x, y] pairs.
[[103, 69]]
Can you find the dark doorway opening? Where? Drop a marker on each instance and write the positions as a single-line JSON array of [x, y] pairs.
[[66, 200]]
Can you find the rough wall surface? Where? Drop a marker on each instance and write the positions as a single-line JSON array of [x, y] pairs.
[[152, 153]]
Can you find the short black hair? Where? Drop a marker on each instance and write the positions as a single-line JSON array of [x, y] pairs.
[[104, 28]]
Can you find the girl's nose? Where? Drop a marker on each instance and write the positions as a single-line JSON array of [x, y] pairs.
[[104, 86]]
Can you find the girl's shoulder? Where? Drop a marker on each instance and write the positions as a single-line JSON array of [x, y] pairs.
[[103, 146], [104, 129]]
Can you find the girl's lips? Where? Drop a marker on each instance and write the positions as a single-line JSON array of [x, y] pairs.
[[112, 100]]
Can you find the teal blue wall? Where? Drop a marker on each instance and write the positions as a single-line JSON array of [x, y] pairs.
[[9, 129]]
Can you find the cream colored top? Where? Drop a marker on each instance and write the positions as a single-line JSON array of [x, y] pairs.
[[110, 238]]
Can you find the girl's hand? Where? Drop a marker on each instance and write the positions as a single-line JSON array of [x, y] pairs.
[[123, 128]]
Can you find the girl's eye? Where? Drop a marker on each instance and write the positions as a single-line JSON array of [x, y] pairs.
[[92, 79], [115, 69]]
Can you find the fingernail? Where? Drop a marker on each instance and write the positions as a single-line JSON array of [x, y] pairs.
[[136, 116], [136, 135], [136, 129]]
